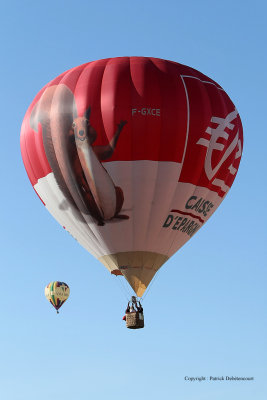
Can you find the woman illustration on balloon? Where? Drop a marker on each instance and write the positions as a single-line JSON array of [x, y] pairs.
[[68, 141]]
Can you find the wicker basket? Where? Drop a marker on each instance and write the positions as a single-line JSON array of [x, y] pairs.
[[135, 320]]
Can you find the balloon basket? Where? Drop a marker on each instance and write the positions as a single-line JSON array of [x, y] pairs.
[[135, 320]]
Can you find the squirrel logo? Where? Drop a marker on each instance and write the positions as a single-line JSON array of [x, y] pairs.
[[68, 142]]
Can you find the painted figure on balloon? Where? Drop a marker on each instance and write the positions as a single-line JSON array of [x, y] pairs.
[[76, 163]]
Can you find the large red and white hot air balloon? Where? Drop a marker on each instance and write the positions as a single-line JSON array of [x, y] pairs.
[[132, 155]]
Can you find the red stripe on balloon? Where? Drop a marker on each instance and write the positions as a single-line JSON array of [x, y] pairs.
[[191, 215]]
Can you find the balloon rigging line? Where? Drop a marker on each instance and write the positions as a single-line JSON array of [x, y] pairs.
[[126, 286], [123, 288], [150, 285]]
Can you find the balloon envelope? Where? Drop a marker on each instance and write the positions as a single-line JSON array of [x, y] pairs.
[[57, 293], [132, 155]]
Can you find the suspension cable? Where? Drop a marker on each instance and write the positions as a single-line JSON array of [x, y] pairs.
[[150, 285], [125, 290]]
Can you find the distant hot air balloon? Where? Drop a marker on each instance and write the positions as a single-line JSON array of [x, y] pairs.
[[57, 293], [132, 155]]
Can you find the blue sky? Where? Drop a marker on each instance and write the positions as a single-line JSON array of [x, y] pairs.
[[206, 312]]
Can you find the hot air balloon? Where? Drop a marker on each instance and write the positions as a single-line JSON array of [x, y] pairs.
[[57, 293], [132, 155]]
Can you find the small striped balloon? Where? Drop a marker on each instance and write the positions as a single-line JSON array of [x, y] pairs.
[[57, 293]]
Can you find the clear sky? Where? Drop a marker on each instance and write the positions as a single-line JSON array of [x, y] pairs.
[[206, 312]]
